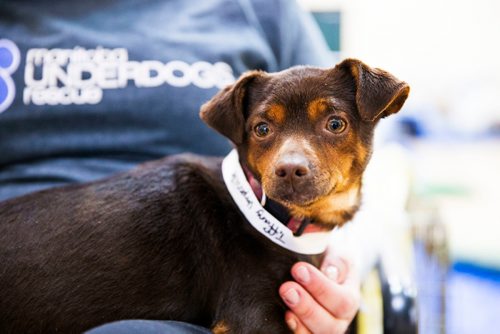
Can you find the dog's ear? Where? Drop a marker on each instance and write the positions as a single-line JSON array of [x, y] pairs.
[[225, 112], [378, 93]]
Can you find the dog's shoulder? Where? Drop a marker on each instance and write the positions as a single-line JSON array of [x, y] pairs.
[[174, 180], [182, 173]]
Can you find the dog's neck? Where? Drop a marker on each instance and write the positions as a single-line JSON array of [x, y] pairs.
[[261, 219]]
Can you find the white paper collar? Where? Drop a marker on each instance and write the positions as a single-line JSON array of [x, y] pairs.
[[270, 227]]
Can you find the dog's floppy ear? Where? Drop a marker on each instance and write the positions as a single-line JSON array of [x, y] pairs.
[[378, 93], [225, 112]]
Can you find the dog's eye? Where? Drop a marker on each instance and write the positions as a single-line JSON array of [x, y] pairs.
[[262, 129], [336, 125]]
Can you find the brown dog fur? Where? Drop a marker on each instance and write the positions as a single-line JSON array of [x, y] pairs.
[[165, 240]]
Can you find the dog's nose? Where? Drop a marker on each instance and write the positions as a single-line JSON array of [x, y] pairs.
[[291, 170], [293, 167]]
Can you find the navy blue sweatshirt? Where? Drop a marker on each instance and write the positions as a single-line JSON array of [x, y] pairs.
[[91, 88]]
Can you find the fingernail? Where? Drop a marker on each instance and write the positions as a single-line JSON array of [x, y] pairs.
[[332, 273], [291, 297], [292, 324], [302, 274]]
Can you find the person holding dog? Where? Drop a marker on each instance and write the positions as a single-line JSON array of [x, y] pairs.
[[91, 89]]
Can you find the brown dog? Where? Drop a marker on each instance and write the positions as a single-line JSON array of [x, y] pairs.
[[166, 240]]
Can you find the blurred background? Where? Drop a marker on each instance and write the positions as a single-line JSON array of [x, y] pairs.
[[438, 163]]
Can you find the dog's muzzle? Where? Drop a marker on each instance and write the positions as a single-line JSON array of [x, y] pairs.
[[292, 179]]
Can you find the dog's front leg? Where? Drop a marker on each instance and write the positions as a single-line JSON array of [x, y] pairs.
[[256, 318], [221, 327], [260, 327]]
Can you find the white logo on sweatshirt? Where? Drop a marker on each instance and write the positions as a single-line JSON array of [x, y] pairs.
[[79, 76]]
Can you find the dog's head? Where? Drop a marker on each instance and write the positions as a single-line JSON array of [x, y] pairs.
[[306, 133]]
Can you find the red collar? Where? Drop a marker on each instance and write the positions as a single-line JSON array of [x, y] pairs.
[[297, 226]]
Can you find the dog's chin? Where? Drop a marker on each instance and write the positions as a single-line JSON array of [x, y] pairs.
[[295, 199], [328, 208], [294, 196]]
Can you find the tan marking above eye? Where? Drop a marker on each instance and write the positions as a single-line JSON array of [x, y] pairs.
[[276, 112], [316, 108]]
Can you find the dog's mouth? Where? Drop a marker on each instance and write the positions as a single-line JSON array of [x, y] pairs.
[[293, 198], [322, 203], [299, 206], [298, 195]]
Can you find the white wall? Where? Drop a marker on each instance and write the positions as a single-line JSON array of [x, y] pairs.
[[448, 50]]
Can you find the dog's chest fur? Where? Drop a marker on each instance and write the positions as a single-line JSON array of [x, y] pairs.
[[163, 241]]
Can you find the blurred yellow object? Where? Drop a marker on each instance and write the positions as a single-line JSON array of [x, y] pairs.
[[370, 317]]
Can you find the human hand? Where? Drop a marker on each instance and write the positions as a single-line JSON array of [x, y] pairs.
[[323, 301]]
